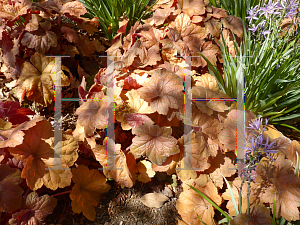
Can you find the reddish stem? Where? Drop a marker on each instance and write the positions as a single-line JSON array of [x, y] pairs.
[[61, 193], [26, 193]]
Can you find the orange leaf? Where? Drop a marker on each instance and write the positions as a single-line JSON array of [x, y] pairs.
[[279, 178], [154, 142], [190, 203], [85, 194], [163, 92], [192, 7], [12, 10], [38, 79], [92, 114], [32, 151]]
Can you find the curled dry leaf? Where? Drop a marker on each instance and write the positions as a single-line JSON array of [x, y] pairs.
[[154, 142], [163, 92], [37, 79], [154, 200], [34, 210], [213, 27], [10, 191], [235, 24], [85, 194], [92, 114], [145, 171], [190, 203]]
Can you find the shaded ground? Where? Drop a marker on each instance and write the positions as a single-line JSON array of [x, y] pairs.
[[120, 207]]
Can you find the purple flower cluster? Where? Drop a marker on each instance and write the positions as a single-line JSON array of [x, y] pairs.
[[257, 144], [290, 8]]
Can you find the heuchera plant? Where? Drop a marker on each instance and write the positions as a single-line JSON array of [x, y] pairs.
[[148, 78], [31, 30]]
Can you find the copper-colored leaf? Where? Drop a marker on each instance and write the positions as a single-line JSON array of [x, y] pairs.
[[42, 39], [85, 194], [35, 210], [217, 12], [163, 92], [10, 192], [122, 174], [37, 79], [208, 107], [192, 7], [279, 178], [227, 137], [70, 34], [259, 215], [92, 114], [15, 135], [151, 37], [235, 24], [185, 28], [207, 81], [12, 10], [190, 203], [160, 15], [148, 57], [196, 151], [236, 185], [74, 8], [32, 151], [154, 142], [227, 170], [206, 48]]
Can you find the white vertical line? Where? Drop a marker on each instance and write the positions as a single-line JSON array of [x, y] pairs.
[[57, 117]]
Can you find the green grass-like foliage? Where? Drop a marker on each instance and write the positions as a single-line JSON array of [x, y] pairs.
[[272, 75], [109, 13], [237, 8]]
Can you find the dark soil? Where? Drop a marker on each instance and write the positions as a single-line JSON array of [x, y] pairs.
[[120, 207]]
